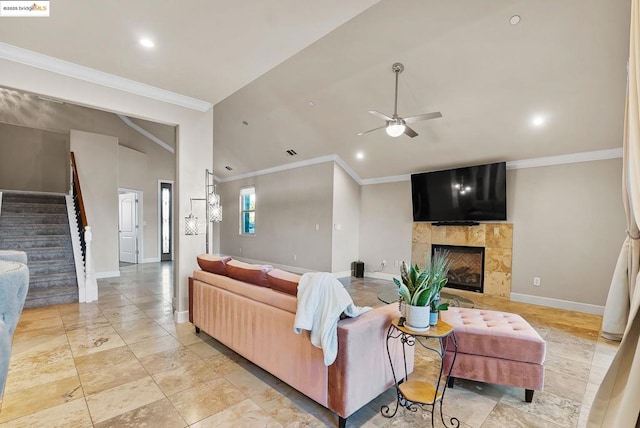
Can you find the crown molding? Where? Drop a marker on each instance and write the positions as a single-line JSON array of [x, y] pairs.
[[66, 68], [520, 164], [566, 159]]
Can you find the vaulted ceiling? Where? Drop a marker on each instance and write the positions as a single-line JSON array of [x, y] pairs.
[[303, 75]]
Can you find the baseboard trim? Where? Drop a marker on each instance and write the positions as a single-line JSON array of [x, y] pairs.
[[181, 317], [108, 274], [151, 260], [343, 274], [558, 303], [380, 275]]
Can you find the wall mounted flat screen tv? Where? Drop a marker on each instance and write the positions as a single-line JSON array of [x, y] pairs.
[[474, 193]]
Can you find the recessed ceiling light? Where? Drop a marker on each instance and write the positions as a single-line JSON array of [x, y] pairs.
[[311, 103], [514, 20], [538, 120], [360, 155], [147, 43]]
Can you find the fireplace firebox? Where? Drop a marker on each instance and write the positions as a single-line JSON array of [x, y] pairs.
[[467, 267]]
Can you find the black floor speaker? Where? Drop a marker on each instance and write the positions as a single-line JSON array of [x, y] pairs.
[[357, 269]]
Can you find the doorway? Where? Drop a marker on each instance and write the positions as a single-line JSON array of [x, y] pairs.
[[129, 233], [166, 220]]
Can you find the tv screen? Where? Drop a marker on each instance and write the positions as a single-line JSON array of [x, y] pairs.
[[474, 193]]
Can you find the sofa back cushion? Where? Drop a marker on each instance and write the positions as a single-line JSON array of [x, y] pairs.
[[286, 282], [213, 264], [253, 274]]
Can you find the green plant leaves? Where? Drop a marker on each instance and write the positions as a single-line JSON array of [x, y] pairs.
[[422, 287]]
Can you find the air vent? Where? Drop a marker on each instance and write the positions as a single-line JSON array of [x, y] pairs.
[[291, 152], [228, 168]]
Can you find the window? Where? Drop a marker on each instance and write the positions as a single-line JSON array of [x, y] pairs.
[[248, 211]]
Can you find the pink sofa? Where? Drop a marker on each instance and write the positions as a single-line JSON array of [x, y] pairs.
[[251, 309], [496, 347]]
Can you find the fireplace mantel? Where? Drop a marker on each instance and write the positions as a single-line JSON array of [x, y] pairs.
[[496, 238]]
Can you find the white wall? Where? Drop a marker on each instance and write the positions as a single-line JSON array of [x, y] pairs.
[[97, 162], [289, 204], [346, 220], [385, 226], [194, 142]]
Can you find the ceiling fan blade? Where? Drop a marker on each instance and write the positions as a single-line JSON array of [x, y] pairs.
[[426, 116], [410, 132], [371, 130], [380, 115]]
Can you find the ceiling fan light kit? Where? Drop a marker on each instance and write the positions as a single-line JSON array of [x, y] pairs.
[[396, 125]]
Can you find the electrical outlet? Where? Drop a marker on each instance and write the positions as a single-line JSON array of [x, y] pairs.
[[536, 281], [384, 263], [239, 250], [295, 257]]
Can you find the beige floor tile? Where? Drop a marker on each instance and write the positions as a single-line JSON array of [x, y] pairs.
[[85, 342], [152, 346], [121, 399], [203, 349], [245, 414], [169, 360], [27, 401], [111, 376], [564, 385], [546, 406], [160, 413], [145, 333], [35, 374], [468, 407], [39, 313], [247, 383], [184, 377], [33, 323], [104, 359], [71, 414], [197, 403], [505, 416], [44, 338]]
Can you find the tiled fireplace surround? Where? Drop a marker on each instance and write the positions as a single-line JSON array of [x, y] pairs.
[[496, 238]]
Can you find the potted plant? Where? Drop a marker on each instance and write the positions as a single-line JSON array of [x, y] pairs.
[[420, 289]]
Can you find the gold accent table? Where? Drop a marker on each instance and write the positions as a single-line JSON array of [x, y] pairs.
[[412, 394]]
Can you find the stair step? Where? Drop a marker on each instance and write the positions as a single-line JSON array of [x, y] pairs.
[[28, 208], [56, 280], [51, 267], [29, 230], [11, 197], [19, 243], [46, 297], [15, 219], [37, 254]]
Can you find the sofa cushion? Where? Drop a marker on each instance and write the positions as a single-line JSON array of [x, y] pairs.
[[281, 280], [253, 274], [213, 264]]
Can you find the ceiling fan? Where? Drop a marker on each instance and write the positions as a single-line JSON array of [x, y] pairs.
[[396, 125]]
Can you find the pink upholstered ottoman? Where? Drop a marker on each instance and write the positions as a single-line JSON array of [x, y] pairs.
[[496, 347]]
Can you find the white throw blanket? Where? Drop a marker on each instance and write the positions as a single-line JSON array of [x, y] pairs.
[[321, 300]]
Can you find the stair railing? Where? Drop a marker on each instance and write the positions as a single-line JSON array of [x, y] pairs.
[[88, 292]]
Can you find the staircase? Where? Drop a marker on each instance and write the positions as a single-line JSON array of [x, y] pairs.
[[39, 226]]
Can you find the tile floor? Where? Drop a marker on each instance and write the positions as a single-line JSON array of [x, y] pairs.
[[123, 362]]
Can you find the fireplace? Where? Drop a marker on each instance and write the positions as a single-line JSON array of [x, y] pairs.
[[467, 267]]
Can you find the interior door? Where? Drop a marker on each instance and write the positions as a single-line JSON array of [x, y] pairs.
[[128, 236]]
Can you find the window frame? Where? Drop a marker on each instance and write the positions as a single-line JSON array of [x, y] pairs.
[[247, 191]]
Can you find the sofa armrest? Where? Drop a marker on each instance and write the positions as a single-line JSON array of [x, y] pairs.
[[361, 371]]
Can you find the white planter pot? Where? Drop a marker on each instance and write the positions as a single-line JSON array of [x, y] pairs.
[[418, 317]]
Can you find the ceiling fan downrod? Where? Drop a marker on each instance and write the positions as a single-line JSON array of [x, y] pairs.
[[397, 68]]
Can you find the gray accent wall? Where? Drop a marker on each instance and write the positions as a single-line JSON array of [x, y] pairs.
[[385, 226], [34, 160], [289, 205], [346, 220], [568, 227]]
